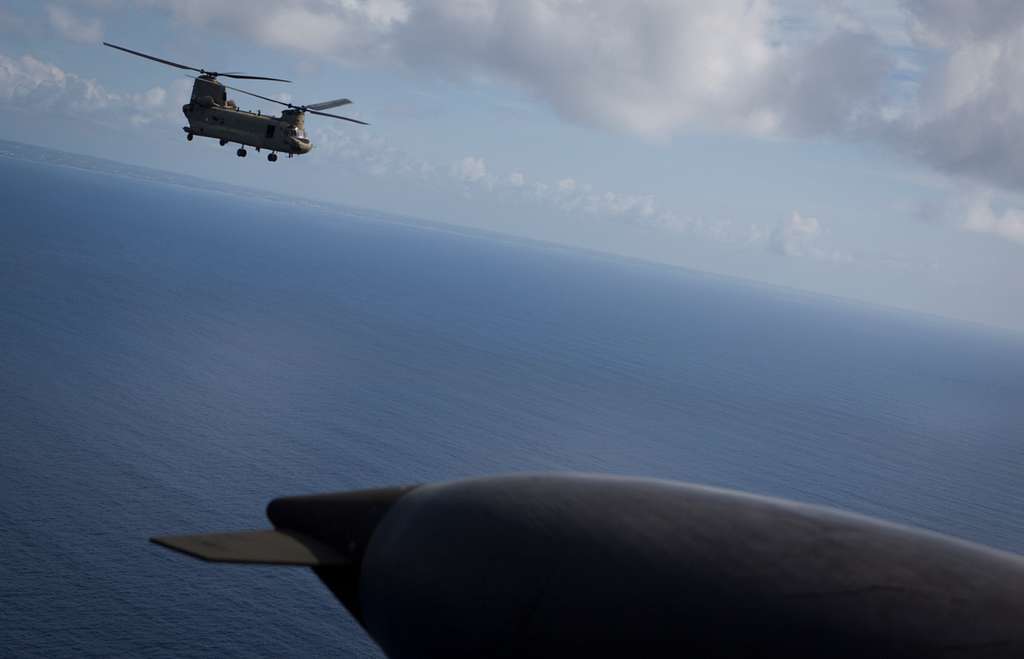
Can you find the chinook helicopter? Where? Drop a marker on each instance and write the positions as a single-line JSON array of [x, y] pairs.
[[211, 113]]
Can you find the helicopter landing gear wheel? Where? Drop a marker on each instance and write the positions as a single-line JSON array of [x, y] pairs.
[[241, 153], [272, 157], [189, 136], [223, 142]]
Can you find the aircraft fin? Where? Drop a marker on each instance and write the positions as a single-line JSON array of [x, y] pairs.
[[269, 547]]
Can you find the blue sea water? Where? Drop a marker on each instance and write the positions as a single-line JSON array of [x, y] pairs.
[[172, 359]]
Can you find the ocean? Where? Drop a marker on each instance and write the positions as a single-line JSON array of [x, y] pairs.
[[171, 359]]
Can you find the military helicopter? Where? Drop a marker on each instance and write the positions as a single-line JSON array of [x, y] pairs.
[[211, 113]]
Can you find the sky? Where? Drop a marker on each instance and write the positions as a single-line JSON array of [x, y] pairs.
[[863, 149]]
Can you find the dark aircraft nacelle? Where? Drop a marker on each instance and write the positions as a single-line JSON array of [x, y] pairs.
[[558, 565]]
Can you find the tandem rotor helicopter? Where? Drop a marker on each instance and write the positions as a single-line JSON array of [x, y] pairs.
[[211, 113]]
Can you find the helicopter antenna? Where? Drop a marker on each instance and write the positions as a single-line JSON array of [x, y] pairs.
[[212, 74], [315, 108]]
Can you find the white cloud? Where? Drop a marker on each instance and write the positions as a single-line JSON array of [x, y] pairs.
[[967, 115], [937, 79], [981, 217], [614, 203], [469, 169], [795, 236], [28, 83], [568, 196], [799, 236], [373, 153], [652, 67], [34, 83], [70, 26], [321, 27], [978, 209], [941, 23]]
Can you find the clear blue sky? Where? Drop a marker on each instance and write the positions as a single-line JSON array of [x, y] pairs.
[[870, 150]]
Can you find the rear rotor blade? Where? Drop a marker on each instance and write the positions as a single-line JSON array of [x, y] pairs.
[[155, 59], [302, 108], [265, 98], [327, 105], [337, 116]]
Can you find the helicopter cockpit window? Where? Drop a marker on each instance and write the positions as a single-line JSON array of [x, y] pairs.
[[297, 133]]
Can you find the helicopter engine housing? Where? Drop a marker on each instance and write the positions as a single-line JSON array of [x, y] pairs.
[[206, 87]]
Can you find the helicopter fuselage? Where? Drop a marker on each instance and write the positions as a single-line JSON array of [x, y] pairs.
[[248, 128], [211, 114]]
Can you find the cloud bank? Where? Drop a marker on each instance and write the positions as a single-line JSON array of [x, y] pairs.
[[30, 84], [983, 218], [651, 67], [938, 80]]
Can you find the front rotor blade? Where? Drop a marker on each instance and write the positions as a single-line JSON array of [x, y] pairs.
[[337, 116], [327, 105], [155, 59], [192, 68]]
